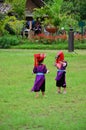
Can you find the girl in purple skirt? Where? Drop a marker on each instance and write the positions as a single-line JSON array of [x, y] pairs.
[[61, 65], [40, 70]]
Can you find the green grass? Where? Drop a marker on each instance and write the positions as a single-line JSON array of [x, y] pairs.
[[20, 110]]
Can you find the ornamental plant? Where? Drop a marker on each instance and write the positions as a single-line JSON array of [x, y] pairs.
[[50, 12]]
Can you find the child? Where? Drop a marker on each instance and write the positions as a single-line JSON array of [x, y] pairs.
[[61, 65], [40, 70]]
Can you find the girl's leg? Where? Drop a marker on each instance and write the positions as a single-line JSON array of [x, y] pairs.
[[37, 94], [43, 93], [64, 91], [59, 90]]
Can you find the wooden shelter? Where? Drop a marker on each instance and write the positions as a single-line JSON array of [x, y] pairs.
[[31, 4]]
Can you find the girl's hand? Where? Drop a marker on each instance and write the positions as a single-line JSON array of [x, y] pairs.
[[48, 71], [32, 72]]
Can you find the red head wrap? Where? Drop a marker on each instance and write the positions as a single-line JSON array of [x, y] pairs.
[[38, 58], [59, 57]]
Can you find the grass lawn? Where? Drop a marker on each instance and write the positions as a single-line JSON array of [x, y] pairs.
[[20, 110]]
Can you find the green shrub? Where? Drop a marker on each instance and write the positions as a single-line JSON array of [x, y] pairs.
[[8, 41], [9, 29], [15, 25], [11, 25], [3, 20]]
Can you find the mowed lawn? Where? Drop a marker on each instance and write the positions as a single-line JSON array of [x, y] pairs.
[[20, 110]]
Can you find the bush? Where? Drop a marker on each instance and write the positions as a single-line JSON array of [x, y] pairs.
[[10, 25], [14, 25], [8, 41], [9, 29]]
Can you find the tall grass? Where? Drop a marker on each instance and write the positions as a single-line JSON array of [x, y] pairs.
[[20, 110]]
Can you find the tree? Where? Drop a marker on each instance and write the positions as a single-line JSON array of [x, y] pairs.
[[51, 10], [77, 9], [82, 9], [18, 6]]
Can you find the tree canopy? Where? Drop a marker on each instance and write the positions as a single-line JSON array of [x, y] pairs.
[[77, 9]]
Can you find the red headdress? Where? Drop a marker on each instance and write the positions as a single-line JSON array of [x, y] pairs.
[[38, 58], [59, 57]]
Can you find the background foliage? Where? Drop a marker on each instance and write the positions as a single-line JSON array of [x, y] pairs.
[[18, 6], [64, 13]]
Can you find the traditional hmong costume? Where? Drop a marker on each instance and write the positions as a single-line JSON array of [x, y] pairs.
[[40, 70], [61, 65]]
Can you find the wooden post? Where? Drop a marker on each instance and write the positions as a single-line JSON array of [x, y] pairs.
[[71, 40]]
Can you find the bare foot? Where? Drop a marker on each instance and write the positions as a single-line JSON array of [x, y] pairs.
[[37, 96], [64, 92]]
